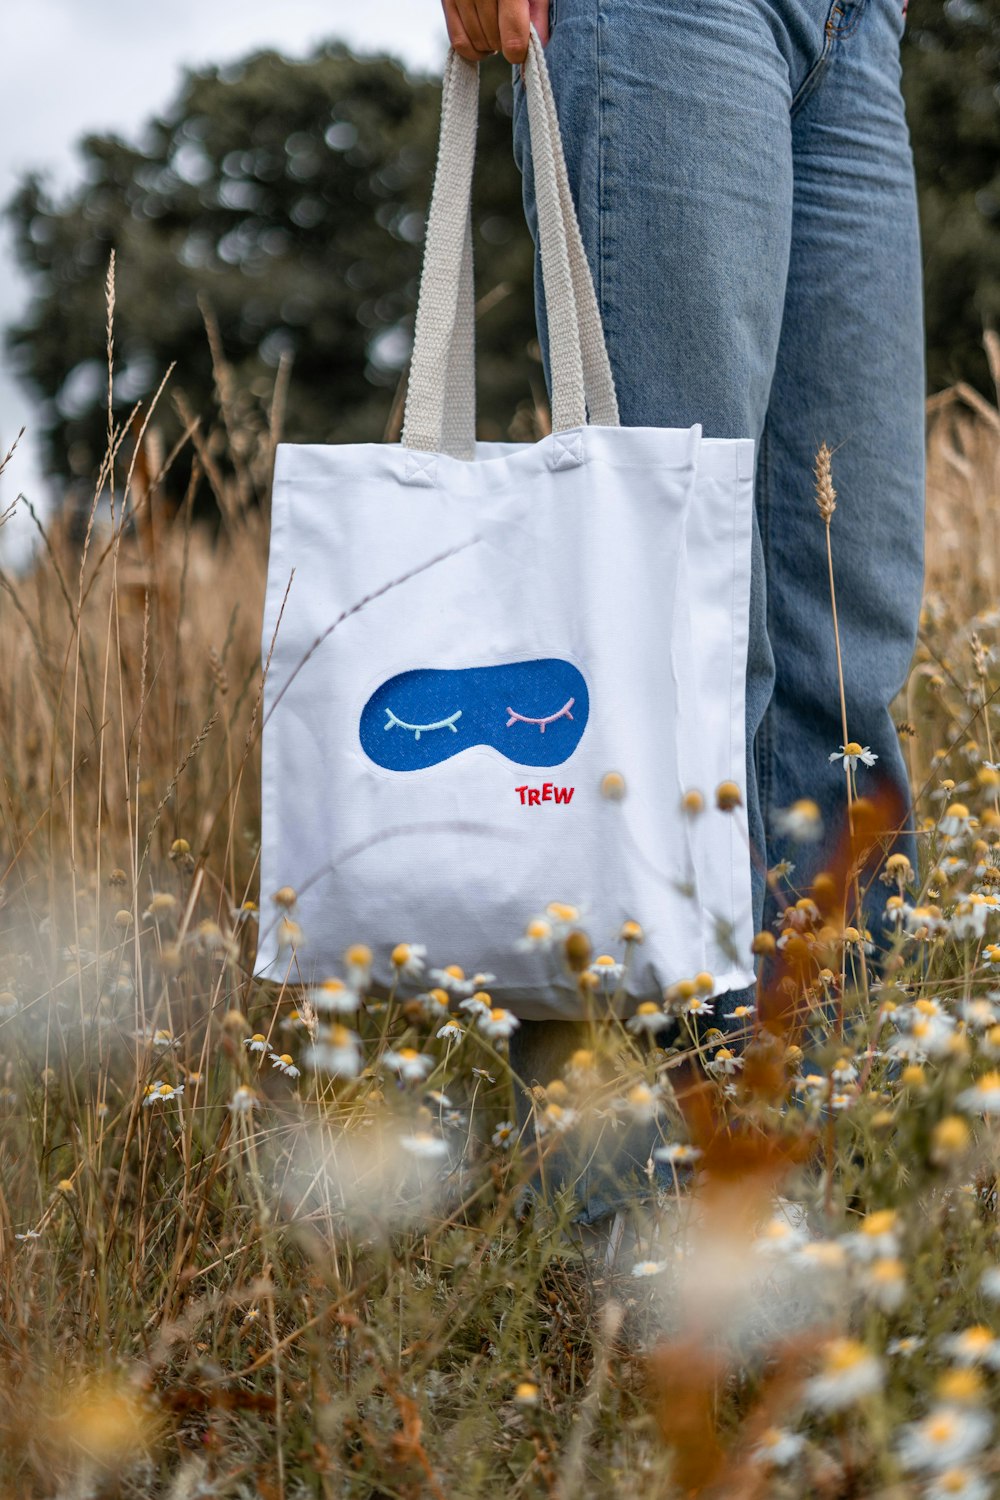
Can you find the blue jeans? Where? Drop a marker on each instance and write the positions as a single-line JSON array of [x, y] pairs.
[[744, 182]]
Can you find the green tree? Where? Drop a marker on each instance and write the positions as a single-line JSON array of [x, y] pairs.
[[290, 198], [951, 83]]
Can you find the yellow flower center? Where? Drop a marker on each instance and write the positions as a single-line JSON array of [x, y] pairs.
[[960, 1385], [853, 748], [844, 1354], [941, 1429], [882, 1221], [887, 1270]]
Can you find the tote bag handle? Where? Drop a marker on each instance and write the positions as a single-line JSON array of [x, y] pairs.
[[440, 402]]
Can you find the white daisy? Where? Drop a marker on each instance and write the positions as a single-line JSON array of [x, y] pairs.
[[909, 1344], [724, 1061], [983, 1096], [498, 1024], [336, 1051], [539, 933], [973, 1346], [801, 822], [256, 1043], [989, 1283], [644, 1268], [477, 1005], [778, 1447], [947, 1436], [411, 1065], [848, 1374], [979, 1014], [284, 1063], [333, 997], [505, 1135], [607, 972], [358, 966], [971, 915], [677, 1153], [958, 1484], [852, 752], [453, 980], [161, 1093], [408, 959], [423, 1144], [649, 1017]]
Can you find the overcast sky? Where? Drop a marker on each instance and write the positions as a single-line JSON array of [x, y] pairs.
[[74, 66]]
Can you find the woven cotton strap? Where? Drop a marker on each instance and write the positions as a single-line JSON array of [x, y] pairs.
[[440, 401]]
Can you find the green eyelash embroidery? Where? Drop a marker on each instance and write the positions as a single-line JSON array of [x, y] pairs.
[[418, 729]]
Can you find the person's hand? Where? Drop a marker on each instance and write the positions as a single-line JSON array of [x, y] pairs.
[[479, 28]]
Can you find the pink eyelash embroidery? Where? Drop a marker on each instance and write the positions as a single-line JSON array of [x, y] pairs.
[[564, 713]]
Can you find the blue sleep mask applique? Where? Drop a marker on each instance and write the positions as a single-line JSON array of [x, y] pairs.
[[533, 712]]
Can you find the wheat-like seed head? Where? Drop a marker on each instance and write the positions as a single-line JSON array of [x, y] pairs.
[[826, 495]]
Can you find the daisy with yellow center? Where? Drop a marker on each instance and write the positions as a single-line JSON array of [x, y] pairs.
[[408, 1063], [498, 1024], [848, 1374], [333, 997], [648, 1018], [802, 822], [336, 1051], [973, 1346], [358, 964], [539, 934], [852, 752], [983, 1096], [285, 1063], [161, 1093], [408, 960], [947, 1436]]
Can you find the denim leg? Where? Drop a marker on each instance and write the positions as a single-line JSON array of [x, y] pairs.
[[850, 371], [675, 123], [744, 183], [607, 1170]]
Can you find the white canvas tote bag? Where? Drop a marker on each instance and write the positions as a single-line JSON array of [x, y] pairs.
[[471, 643]]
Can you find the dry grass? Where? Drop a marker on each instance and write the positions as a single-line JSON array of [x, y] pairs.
[[267, 1285]]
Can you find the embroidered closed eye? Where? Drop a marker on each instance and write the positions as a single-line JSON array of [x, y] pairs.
[[418, 729], [564, 713]]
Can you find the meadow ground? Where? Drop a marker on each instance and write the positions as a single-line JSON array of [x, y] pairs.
[[266, 1240]]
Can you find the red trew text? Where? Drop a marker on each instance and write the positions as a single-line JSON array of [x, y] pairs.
[[534, 796]]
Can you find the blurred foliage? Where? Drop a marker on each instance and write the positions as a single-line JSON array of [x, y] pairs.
[[289, 199], [951, 84]]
